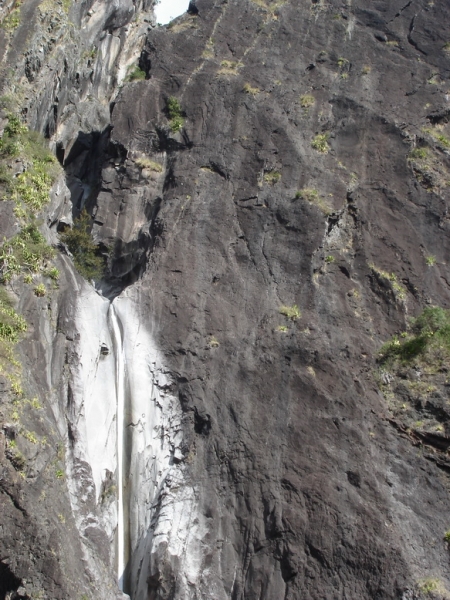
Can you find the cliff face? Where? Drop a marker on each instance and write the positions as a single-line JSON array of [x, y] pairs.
[[271, 203]]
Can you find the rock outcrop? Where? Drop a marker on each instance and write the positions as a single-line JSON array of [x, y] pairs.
[[271, 206]]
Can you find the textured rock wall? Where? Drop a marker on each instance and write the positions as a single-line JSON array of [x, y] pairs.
[[305, 489], [258, 458]]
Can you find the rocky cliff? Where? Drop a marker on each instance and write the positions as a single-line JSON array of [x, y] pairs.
[[257, 197]]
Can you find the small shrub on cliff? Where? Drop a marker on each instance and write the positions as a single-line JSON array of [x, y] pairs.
[[12, 325], [433, 588], [428, 341], [85, 253], [249, 89], [320, 143], [290, 312], [40, 290], [306, 101], [144, 162], [136, 74], [174, 112], [27, 252], [272, 177], [11, 21], [30, 189], [312, 196], [391, 279]]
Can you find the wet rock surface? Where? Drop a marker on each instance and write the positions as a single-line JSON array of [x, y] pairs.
[[310, 170]]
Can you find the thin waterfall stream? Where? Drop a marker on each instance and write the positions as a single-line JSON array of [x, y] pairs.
[[120, 400]]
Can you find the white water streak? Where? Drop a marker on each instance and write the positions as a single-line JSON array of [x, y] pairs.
[[120, 400]]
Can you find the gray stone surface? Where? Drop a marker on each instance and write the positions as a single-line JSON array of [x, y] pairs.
[[259, 463]]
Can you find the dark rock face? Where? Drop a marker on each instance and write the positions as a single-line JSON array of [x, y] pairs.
[[307, 490], [296, 180]]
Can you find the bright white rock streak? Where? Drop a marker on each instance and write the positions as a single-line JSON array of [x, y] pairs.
[[120, 402], [126, 429]]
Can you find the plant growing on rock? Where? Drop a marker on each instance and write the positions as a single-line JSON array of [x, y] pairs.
[[85, 253], [272, 177], [428, 341], [11, 21], [136, 74], [291, 312], [252, 91], [307, 100], [430, 587], [175, 114], [12, 328], [312, 195], [25, 252], [144, 162], [40, 290], [391, 278], [320, 143], [229, 67], [213, 342]]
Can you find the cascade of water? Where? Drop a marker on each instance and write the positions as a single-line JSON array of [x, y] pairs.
[[120, 400]]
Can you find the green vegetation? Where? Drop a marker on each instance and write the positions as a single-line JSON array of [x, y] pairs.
[[438, 137], [175, 114], [213, 342], [12, 21], [12, 327], [342, 62], [52, 273], [272, 177], [248, 89], [30, 436], [282, 328], [320, 143], [85, 253], [427, 341], [136, 74], [144, 162], [40, 290], [229, 67], [418, 154], [30, 189], [90, 54], [329, 259], [366, 70], [270, 6], [59, 474], [447, 537], [290, 312], [430, 260], [431, 587], [390, 278], [27, 252], [312, 195], [307, 100]]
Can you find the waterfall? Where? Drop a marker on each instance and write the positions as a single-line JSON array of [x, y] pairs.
[[120, 402]]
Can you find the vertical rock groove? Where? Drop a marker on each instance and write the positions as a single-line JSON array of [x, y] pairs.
[[117, 334]]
